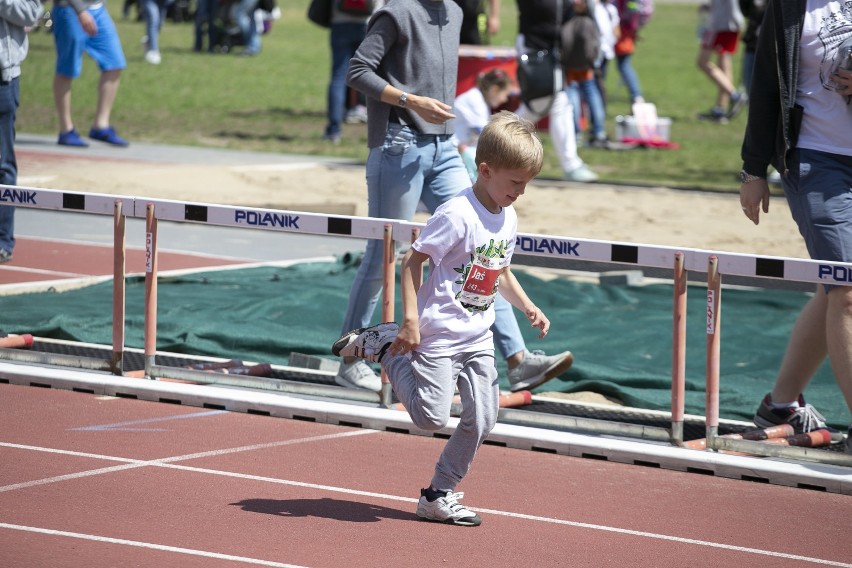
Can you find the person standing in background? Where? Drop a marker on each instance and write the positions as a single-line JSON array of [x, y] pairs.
[[244, 15], [155, 15], [720, 37], [539, 25], [16, 17], [346, 33], [85, 25], [479, 24]]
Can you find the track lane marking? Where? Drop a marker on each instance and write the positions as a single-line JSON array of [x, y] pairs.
[[168, 463], [149, 545]]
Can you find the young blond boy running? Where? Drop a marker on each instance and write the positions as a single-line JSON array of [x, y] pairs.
[[445, 339]]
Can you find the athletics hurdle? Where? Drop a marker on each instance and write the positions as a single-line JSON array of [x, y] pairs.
[[527, 245], [79, 202]]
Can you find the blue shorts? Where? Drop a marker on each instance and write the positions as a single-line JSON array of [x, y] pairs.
[[819, 191], [70, 40]]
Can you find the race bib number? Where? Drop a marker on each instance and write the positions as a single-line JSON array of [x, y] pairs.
[[480, 286]]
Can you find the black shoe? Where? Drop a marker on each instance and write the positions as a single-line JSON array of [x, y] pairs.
[[5, 256], [804, 418]]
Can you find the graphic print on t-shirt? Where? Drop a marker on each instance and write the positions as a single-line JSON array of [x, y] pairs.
[[481, 276], [834, 33]]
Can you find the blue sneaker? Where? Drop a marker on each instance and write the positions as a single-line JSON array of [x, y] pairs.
[[108, 135], [71, 138]]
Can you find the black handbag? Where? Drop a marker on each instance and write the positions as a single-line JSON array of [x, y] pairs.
[[536, 75], [319, 12], [539, 72]]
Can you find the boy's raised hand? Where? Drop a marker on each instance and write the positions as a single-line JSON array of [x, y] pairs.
[[539, 320]]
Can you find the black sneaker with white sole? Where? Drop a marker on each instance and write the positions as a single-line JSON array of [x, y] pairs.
[[370, 343]]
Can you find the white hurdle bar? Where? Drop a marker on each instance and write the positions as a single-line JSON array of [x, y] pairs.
[[653, 256]]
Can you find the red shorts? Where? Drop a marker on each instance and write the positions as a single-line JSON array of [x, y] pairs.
[[721, 42]]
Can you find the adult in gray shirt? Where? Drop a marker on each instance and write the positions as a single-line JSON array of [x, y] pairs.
[[15, 17], [407, 67]]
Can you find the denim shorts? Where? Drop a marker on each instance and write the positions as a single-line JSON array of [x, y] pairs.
[[71, 41], [819, 192]]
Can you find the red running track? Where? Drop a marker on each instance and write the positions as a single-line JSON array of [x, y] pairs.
[[39, 260], [98, 481]]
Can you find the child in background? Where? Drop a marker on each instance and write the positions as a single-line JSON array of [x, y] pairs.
[[474, 107], [445, 340]]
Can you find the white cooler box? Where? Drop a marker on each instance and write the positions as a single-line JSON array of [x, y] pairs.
[[625, 127]]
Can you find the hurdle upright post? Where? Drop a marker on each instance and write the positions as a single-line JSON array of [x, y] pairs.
[[678, 349], [118, 288], [388, 295], [150, 289], [714, 331]]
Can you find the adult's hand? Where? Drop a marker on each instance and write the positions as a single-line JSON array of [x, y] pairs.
[[753, 194]]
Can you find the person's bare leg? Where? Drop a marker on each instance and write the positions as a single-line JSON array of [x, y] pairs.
[[714, 72], [725, 82], [62, 100], [107, 91], [838, 327], [806, 350]]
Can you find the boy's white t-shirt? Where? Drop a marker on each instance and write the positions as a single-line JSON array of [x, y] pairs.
[[468, 247], [472, 114], [825, 127]]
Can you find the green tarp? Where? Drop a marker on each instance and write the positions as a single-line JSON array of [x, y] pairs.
[[621, 336]]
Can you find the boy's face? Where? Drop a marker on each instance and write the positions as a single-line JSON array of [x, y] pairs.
[[502, 186]]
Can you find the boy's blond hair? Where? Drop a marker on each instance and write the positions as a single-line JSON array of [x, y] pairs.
[[509, 142]]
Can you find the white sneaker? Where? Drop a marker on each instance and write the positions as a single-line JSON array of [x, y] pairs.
[[447, 509], [368, 343], [358, 375], [537, 368], [355, 115], [153, 57], [582, 174]]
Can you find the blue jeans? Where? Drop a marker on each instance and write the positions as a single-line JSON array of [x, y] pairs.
[[629, 76], [9, 99], [406, 169], [205, 13], [248, 26], [818, 188], [155, 15], [589, 92], [345, 39]]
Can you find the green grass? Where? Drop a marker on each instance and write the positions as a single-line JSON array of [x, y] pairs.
[[276, 101]]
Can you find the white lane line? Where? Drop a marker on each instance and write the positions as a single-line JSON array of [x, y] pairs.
[[167, 463], [152, 546], [133, 463], [68, 477], [123, 425]]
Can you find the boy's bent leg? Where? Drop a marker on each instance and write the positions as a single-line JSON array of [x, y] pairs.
[[424, 385], [477, 382]]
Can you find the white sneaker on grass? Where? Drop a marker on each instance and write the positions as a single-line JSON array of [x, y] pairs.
[[358, 375], [446, 509], [581, 173], [152, 56], [370, 343], [537, 368]]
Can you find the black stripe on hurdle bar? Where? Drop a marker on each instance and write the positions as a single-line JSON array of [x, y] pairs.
[[338, 226], [771, 267], [625, 253], [75, 201], [195, 213]]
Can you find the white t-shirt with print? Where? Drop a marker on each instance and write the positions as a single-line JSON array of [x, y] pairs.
[[827, 117], [468, 247]]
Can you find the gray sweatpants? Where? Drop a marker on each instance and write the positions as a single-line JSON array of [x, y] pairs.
[[425, 385]]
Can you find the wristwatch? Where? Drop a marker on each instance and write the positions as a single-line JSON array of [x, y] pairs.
[[746, 177], [403, 99]]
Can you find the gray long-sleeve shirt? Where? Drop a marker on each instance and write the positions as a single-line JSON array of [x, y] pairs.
[[412, 45], [15, 15]]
